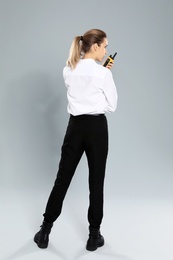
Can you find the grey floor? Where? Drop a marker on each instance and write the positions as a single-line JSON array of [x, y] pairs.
[[134, 229]]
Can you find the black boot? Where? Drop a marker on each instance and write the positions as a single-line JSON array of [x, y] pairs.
[[42, 237], [95, 239]]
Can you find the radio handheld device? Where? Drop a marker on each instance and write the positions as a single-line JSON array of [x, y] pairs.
[[109, 59]]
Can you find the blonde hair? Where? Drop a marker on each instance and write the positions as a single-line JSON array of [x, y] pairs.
[[82, 44]]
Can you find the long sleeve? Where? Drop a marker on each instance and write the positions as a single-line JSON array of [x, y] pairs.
[[110, 92]]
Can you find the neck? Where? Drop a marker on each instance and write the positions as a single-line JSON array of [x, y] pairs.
[[89, 56]]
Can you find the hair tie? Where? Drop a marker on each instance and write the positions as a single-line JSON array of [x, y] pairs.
[[81, 38]]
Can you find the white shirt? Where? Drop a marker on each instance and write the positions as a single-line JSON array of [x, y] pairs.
[[90, 88]]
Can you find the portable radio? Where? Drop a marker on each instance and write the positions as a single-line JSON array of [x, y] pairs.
[[109, 59]]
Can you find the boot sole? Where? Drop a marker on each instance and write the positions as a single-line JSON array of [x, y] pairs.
[[42, 246], [93, 248]]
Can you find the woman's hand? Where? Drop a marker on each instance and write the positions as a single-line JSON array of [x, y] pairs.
[[110, 65]]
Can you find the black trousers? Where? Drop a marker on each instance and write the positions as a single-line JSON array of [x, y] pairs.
[[89, 134]]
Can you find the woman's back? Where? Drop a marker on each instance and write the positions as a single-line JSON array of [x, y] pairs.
[[90, 87]]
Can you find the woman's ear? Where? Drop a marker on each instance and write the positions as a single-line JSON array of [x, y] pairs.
[[95, 46]]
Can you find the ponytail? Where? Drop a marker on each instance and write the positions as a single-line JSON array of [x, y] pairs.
[[75, 53]]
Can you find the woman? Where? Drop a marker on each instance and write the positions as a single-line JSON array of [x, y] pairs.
[[91, 92]]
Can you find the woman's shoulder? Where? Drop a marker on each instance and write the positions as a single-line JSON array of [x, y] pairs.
[[66, 70], [103, 70]]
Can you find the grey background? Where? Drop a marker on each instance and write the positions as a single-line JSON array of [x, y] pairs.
[[35, 37], [35, 40]]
